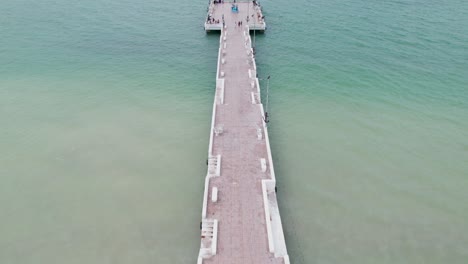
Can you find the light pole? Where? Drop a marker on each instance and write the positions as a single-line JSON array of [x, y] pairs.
[[254, 37], [248, 12], [267, 96]]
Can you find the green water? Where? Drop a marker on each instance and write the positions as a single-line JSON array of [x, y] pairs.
[[105, 109]]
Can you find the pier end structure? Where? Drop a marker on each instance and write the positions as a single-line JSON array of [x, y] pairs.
[[249, 12]]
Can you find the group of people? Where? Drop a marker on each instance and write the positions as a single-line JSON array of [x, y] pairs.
[[260, 17], [211, 20], [235, 9]]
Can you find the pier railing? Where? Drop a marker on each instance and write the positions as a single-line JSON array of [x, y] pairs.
[[209, 244]]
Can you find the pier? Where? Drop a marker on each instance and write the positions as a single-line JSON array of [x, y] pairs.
[[241, 223]]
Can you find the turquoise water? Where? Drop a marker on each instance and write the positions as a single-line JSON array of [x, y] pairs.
[[105, 110]]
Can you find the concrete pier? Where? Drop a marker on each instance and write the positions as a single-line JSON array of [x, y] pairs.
[[240, 223]]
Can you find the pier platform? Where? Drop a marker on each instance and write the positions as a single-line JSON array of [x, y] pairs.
[[251, 10], [240, 223]]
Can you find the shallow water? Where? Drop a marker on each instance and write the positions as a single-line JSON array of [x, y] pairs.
[[106, 106]]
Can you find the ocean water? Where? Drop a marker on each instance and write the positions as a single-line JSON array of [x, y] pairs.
[[105, 108]]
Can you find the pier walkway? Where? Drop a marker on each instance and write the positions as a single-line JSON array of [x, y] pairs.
[[241, 223]]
